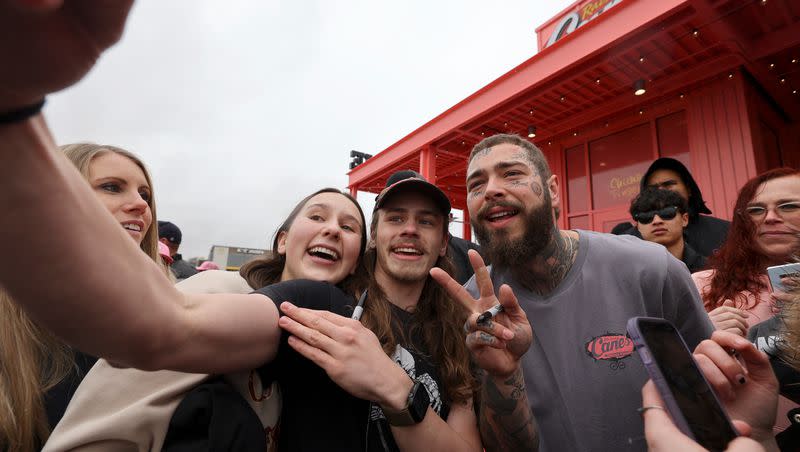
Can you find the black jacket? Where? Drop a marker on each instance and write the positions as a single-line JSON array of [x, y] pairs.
[[693, 260], [181, 268]]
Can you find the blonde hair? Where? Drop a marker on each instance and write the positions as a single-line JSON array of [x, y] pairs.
[[82, 154], [33, 360]]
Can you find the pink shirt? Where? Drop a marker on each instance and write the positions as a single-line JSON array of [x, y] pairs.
[[763, 310]]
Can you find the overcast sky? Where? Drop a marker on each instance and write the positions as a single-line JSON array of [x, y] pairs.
[[241, 108]]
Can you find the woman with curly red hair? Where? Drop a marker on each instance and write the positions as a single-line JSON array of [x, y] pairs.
[[765, 231]]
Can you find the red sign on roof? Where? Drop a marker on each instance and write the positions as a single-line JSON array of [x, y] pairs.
[[574, 17]]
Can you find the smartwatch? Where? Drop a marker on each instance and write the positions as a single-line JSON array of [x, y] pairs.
[[414, 412]]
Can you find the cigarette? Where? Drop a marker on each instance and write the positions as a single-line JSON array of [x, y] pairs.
[[486, 316]]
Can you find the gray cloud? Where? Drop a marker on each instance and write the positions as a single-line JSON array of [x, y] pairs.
[[241, 108]]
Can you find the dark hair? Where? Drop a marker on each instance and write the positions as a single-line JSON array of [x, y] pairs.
[[696, 203], [651, 199], [739, 264], [438, 320], [535, 155], [267, 270]]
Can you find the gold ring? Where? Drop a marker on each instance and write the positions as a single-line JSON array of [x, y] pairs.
[[649, 407]]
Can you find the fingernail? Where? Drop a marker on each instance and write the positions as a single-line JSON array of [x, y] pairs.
[[740, 341], [508, 335], [740, 378]]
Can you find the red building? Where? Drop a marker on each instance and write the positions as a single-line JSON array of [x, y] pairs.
[[720, 79]]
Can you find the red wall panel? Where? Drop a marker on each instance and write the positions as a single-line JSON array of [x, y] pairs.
[[720, 142]]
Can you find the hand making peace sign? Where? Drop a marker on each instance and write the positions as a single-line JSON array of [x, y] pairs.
[[497, 344]]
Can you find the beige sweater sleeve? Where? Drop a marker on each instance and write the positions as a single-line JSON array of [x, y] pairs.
[[117, 409]]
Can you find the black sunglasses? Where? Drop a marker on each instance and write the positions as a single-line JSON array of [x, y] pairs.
[[667, 213]]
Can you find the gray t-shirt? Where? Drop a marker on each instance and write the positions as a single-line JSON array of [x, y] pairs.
[[583, 382]]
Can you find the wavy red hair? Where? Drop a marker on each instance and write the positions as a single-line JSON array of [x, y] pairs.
[[738, 265]]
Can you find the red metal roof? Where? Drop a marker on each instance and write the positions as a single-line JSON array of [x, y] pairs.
[[586, 78]]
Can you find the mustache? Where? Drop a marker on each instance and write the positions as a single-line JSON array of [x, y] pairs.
[[412, 242], [491, 205]]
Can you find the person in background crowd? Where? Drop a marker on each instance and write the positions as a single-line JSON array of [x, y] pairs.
[[661, 216], [577, 290], [457, 249], [765, 231], [170, 235], [38, 372], [163, 251], [704, 233], [207, 265]]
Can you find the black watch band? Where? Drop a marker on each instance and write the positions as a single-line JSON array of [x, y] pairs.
[[414, 412]]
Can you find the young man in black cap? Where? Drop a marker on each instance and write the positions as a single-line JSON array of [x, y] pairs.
[[704, 232], [170, 235], [661, 216], [429, 406]]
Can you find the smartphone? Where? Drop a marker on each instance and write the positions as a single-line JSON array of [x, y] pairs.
[[688, 397], [778, 272]]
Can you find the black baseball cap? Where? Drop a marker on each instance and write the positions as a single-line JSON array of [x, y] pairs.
[[411, 181], [169, 231]]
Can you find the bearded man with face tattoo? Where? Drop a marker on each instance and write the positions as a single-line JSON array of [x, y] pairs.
[[564, 376]]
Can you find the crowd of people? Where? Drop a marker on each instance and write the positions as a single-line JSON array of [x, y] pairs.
[[349, 336]]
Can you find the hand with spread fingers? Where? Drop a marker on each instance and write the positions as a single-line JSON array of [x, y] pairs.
[[349, 353], [47, 45], [498, 343], [663, 435], [729, 318], [747, 386]]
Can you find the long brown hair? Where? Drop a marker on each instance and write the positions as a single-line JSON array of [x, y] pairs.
[[438, 320], [266, 270], [739, 264], [33, 360]]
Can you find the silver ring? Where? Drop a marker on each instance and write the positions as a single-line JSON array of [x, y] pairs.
[[466, 326], [649, 407]]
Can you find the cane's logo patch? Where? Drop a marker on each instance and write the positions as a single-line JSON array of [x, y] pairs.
[[610, 347]]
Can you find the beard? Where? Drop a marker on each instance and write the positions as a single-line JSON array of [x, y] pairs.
[[504, 252]]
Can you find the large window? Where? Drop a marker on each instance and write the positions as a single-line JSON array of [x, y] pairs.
[[599, 192], [617, 164], [577, 185]]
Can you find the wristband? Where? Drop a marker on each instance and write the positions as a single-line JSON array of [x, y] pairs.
[[21, 114]]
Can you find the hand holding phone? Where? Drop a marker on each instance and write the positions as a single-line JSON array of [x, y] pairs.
[[755, 401], [687, 395], [663, 436]]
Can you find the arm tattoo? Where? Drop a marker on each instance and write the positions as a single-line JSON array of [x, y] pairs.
[[506, 420]]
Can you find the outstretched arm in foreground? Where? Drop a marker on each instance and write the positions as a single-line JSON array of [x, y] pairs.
[[506, 421], [67, 262]]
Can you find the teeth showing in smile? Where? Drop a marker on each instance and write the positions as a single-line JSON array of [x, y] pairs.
[[325, 253], [413, 251], [132, 227], [498, 215]]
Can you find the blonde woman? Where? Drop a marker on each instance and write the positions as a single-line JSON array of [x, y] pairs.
[[38, 372]]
